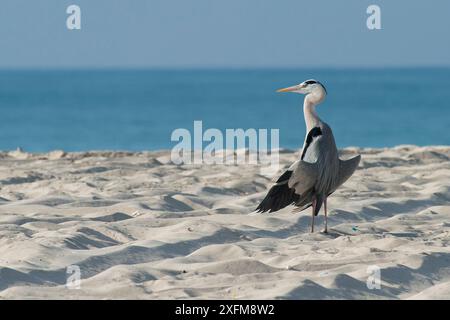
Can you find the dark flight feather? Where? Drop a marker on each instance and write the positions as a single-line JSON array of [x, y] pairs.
[[279, 196]]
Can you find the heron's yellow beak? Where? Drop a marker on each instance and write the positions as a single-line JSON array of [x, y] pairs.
[[289, 89]]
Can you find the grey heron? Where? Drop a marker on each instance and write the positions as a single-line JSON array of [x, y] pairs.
[[319, 171]]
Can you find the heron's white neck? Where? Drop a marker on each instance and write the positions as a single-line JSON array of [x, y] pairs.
[[309, 109]]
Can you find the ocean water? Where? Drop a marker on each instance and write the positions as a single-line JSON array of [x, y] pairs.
[[139, 109]]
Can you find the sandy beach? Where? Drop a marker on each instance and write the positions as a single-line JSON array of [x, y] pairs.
[[139, 227]]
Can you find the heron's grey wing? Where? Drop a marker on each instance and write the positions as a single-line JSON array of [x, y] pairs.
[[291, 187], [346, 169], [304, 176], [296, 184], [303, 182], [280, 194]]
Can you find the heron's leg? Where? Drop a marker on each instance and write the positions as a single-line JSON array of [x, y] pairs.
[[313, 209], [326, 218]]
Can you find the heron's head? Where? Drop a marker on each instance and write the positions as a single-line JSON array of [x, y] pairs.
[[308, 87]]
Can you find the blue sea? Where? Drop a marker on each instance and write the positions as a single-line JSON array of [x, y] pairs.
[[77, 110]]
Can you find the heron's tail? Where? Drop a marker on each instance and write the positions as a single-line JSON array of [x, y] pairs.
[[346, 169]]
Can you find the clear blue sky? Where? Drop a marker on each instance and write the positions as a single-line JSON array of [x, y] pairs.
[[225, 33]]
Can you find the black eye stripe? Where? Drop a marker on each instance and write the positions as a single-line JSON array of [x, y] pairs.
[[308, 82]]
